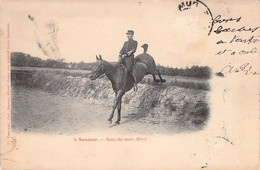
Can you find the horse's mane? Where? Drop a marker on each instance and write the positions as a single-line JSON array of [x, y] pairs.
[[113, 66]]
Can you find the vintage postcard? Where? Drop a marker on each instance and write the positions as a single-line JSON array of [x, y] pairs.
[[136, 84]]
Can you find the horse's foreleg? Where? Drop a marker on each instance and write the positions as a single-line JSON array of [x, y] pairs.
[[113, 108], [116, 101], [112, 114], [119, 112]]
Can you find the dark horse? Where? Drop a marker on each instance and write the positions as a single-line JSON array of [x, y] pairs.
[[119, 78]]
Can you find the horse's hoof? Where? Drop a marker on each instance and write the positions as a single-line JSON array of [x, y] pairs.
[[117, 123], [110, 121]]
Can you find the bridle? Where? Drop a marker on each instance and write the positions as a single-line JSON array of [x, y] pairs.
[[108, 72], [102, 69]]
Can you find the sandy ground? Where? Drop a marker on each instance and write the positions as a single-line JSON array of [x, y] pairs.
[[36, 111]]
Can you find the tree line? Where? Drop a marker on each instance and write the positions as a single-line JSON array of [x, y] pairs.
[[194, 71], [22, 59]]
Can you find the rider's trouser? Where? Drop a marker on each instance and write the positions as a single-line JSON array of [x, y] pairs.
[[129, 62]]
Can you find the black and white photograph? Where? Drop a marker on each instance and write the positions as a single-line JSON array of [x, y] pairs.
[[174, 80]]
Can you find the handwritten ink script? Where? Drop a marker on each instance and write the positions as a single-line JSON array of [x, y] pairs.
[[242, 42], [245, 68], [248, 41]]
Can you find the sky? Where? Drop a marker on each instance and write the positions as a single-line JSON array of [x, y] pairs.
[[176, 39]]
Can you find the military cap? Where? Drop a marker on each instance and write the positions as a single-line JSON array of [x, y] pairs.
[[130, 32]]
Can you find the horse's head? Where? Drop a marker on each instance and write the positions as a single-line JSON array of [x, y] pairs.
[[98, 69]]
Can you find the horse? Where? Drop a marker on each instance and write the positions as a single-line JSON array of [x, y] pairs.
[[121, 80], [148, 62]]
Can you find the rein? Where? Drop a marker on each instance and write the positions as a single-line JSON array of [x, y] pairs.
[[117, 64], [101, 76]]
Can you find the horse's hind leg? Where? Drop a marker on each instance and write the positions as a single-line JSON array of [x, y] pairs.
[[154, 79], [119, 112], [161, 79]]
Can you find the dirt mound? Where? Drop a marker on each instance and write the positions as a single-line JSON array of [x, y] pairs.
[[160, 103]]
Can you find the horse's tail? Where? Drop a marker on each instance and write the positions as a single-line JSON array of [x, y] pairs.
[[145, 47]]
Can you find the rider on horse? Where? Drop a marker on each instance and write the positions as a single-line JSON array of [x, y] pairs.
[[126, 54]]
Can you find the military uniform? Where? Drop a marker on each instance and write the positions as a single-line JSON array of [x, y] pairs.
[[126, 55], [129, 46]]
